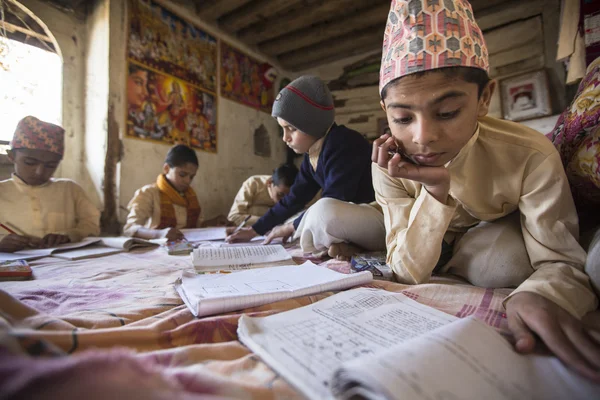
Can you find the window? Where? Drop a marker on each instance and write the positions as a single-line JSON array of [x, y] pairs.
[[31, 82]]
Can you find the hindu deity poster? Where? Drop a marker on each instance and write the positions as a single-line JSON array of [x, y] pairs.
[[246, 80], [171, 80]]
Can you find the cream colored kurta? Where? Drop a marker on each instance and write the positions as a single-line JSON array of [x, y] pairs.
[[504, 167], [59, 206], [144, 211], [251, 200]]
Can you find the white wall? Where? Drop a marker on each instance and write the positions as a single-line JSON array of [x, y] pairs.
[[96, 94], [221, 174]]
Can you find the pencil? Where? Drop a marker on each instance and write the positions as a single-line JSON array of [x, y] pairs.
[[8, 229], [241, 225]]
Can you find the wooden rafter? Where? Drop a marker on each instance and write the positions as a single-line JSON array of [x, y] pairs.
[[321, 32], [332, 49], [254, 12], [210, 11], [320, 11]]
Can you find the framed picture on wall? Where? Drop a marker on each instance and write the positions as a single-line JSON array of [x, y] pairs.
[[525, 96]]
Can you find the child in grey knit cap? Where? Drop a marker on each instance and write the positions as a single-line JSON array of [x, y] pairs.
[[336, 160]]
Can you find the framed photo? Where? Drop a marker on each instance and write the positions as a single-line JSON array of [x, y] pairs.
[[525, 96]]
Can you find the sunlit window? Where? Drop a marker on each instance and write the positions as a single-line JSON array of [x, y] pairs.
[[31, 82]]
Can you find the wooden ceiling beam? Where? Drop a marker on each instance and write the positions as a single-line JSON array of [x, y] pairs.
[[210, 11], [320, 11], [254, 12], [336, 48], [315, 34]]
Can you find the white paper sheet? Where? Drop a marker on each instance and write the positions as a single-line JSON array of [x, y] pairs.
[[465, 360], [209, 294], [235, 257], [204, 234], [307, 345]]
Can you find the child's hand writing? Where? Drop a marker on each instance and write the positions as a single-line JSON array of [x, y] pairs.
[[11, 243], [386, 154], [243, 235]]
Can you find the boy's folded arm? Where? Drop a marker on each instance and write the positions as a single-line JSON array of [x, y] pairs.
[[550, 230], [415, 228], [140, 211]]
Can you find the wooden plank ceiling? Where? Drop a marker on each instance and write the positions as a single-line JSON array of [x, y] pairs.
[[302, 34], [299, 34]]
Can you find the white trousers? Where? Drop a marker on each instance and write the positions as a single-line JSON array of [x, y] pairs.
[[492, 254], [330, 221]]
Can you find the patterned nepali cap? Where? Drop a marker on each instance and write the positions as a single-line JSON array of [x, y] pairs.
[[31, 133], [421, 35]]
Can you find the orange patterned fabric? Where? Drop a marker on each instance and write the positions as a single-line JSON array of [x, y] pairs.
[[421, 35], [31, 133], [170, 196]]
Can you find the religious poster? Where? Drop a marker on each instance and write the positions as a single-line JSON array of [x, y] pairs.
[[167, 109], [171, 78], [246, 80]]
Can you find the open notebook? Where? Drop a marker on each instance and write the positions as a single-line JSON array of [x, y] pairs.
[[210, 294], [372, 344], [88, 248], [207, 259]]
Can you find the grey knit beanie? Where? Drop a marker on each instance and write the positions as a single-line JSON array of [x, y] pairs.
[[307, 104]]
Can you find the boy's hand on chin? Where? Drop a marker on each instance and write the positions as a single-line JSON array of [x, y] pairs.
[[436, 180], [532, 317]]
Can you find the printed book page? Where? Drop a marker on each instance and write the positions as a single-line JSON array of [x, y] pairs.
[[209, 258], [204, 234], [463, 360], [307, 345], [209, 294], [39, 253], [92, 251], [127, 243]]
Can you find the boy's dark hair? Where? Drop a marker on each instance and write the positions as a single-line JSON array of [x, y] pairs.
[[284, 175], [467, 74], [180, 155]]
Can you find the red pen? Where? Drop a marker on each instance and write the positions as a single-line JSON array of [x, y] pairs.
[[8, 229]]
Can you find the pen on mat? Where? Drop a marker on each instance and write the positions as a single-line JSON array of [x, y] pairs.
[[241, 225], [8, 229]]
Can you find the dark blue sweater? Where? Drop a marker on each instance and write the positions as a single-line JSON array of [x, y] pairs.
[[343, 172]]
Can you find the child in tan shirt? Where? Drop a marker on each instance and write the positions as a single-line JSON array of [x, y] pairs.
[[38, 210], [261, 192], [482, 198]]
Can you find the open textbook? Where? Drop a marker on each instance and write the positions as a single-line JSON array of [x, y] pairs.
[[373, 344], [209, 294], [87, 248], [194, 235], [207, 259]]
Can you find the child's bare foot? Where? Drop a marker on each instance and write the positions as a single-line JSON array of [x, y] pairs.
[[343, 251]]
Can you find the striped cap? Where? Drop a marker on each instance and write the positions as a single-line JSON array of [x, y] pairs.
[[31, 133], [422, 35], [307, 104]]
